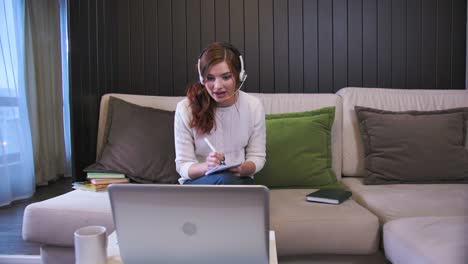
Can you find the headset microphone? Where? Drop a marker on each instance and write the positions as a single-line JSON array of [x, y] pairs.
[[242, 83], [237, 90]]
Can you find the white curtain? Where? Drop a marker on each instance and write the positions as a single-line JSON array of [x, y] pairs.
[[16, 157], [44, 88]]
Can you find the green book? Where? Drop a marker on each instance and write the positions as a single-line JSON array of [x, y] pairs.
[[331, 196], [105, 175]]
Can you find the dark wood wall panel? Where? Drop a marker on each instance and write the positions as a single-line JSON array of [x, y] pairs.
[[296, 52], [122, 32], [207, 26], [150, 44], [369, 43], [252, 52], [222, 20], [325, 46], [179, 46], [102, 44], [311, 83], [384, 43], [444, 45], [340, 44], [280, 24], [137, 48], [354, 43], [398, 25], [428, 44], [458, 43], [413, 44], [193, 37], [289, 46], [266, 46], [165, 47], [236, 24]]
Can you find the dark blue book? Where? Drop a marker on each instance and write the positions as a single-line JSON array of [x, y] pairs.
[[331, 196]]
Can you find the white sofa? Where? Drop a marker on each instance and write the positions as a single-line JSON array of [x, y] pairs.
[[347, 233]]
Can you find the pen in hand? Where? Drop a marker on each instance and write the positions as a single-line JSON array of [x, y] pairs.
[[213, 149]]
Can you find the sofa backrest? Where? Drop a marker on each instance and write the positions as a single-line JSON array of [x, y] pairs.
[[386, 99], [273, 103]]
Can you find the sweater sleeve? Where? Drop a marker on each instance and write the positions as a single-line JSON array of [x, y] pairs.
[[184, 140], [256, 150]]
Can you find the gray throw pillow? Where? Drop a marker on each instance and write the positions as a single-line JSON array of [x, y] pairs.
[[138, 141], [414, 146]]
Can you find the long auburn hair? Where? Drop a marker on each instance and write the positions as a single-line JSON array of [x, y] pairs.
[[202, 105]]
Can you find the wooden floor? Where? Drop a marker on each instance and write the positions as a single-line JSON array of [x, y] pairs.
[[11, 219]]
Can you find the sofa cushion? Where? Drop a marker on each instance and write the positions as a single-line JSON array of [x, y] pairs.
[[54, 221], [428, 240], [298, 147], [396, 201], [138, 141], [305, 228], [414, 146], [167, 103], [391, 100], [286, 103]]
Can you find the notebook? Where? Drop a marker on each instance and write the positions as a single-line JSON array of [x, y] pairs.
[[222, 168], [332, 196], [191, 223]]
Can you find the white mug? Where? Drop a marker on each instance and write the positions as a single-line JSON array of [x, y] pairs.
[[91, 245]]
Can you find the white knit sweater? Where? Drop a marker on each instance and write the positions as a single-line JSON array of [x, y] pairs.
[[239, 134]]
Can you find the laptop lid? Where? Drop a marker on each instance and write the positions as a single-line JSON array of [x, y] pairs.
[[191, 223]]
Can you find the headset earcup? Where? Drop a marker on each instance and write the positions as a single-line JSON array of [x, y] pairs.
[[242, 76], [200, 77]]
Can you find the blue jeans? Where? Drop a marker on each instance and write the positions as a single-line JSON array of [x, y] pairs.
[[221, 178]]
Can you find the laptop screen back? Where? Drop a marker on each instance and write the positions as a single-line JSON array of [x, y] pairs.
[[191, 224]]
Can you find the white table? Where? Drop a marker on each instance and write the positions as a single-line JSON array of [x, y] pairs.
[[113, 252]]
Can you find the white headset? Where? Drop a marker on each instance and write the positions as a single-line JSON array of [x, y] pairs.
[[242, 75]]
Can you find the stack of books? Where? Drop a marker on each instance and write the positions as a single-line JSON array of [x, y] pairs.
[[99, 181]]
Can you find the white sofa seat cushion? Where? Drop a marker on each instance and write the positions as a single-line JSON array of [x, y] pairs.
[[304, 228], [54, 221], [427, 240], [391, 100], [395, 201]]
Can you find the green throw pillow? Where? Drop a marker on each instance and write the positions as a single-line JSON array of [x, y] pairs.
[[298, 147]]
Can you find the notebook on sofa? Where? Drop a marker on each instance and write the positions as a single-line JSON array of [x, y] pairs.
[[191, 224]]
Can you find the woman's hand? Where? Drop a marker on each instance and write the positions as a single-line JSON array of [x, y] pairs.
[[247, 168], [199, 169], [214, 159]]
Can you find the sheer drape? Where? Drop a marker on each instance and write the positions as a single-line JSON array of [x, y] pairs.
[[16, 157]]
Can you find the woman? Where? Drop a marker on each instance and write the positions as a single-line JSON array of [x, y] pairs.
[[232, 121]]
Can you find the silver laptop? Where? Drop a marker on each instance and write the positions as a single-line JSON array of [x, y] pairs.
[[191, 224]]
